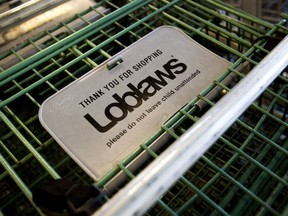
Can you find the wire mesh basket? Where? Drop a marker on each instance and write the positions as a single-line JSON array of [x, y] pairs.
[[243, 173]]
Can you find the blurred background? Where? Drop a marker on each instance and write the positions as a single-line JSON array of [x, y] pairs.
[[265, 9]]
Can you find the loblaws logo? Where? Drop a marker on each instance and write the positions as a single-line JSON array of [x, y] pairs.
[[130, 100]]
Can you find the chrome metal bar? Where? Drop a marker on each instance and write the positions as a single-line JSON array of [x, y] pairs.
[[143, 191], [25, 10]]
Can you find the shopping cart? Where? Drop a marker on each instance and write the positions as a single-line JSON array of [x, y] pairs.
[[224, 153]]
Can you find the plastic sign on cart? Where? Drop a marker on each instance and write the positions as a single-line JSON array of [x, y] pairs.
[[101, 118]]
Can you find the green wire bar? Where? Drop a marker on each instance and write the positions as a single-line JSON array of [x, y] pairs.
[[244, 170]]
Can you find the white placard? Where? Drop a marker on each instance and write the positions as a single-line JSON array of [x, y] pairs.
[[105, 115]]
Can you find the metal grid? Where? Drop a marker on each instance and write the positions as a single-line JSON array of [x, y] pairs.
[[245, 172]]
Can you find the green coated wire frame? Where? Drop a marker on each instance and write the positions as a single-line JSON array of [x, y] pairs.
[[222, 171], [49, 169], [56, 48], [94, 43], [19, 182], [10, 77]]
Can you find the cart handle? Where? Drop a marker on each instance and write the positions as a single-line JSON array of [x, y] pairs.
[[143, 191]]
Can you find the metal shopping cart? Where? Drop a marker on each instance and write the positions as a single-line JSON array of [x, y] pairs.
[[224, 153]]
